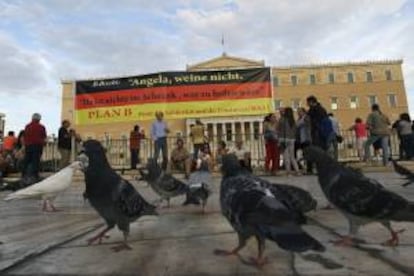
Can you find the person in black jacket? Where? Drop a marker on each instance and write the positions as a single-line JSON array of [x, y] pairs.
[[320, 133], [64, 144]]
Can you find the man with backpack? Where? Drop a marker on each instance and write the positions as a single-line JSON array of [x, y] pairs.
[[322, 131], [379, 130]]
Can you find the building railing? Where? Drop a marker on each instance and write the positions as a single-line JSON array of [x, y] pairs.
[[118, 153]]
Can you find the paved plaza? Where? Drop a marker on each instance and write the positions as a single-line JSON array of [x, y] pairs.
[[181, 240]]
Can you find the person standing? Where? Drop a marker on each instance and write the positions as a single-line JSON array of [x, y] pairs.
[[360, 129], [34, 140], [405, 134], [321, 126], [64, 144], [378, 125], [272, 150], [159, 131], [286, 130], [134, 146], [333, 140], [303, 126], [221, 150], [198, 137]]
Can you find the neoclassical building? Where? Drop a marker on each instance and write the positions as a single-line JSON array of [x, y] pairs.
[[346, 89]]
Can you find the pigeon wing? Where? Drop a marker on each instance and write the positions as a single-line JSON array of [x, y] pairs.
[[172, 185], [129, 200], [298, 198], [364, 197], [252, 209]]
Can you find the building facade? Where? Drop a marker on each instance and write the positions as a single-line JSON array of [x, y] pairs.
[[346, 89]]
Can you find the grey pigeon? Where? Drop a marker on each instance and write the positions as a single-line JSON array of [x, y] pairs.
[[408, 175], [114, 198], [297, 198], [164, 184], [199, 186], [361, 199], [254, 210]]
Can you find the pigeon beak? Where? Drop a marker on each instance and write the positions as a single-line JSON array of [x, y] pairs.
[[84, 161]]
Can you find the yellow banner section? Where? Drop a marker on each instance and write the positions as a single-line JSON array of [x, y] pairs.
[[177, 110]]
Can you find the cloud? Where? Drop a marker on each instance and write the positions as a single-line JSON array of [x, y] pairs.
[[20, 70], [45, 41]]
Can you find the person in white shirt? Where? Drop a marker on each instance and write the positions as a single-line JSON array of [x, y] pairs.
[[159, 131], [243, 155]]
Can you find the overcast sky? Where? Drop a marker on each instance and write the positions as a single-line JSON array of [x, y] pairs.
[[42, 42]]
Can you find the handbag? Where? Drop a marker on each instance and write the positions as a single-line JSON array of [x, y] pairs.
[[270, 135]]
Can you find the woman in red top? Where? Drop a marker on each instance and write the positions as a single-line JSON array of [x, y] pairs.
[[361, 135]]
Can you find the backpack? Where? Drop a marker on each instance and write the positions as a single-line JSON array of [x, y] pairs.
[[325, 127]]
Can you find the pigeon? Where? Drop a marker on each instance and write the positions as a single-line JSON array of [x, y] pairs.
[[297, 198], [49, 188], [199, 186], [361, 199], [408, 175], [253, 210], [164, 184], [114, 198]]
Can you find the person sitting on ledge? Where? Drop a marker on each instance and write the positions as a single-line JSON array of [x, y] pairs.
[[242, 154], [180, 159]]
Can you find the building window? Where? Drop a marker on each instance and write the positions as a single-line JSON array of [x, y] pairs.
[[295, 104], [350, 77], [392, 100], [275, 81], [312, 79], [372, 99], [369, 76], [294, 80], [353, 102], [388, 76], [334, 103], [278, 104], [331, 78]]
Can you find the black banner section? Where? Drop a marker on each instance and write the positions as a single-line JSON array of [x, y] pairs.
[[177, 78]]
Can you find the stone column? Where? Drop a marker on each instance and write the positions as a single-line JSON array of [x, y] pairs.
[[233, 131], [242, 131]]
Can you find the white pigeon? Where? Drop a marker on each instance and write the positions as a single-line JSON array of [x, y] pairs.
[[49, 188]]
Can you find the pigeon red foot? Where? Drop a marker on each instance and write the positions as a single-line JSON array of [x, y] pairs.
[[395, 240]]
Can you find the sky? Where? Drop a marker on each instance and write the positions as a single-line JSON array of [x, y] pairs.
[[45, 41]]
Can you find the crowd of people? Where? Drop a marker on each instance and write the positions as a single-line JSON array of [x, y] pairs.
[[23, 153], [284, 134]]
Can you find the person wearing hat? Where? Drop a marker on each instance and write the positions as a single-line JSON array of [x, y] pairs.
[[34, 140]]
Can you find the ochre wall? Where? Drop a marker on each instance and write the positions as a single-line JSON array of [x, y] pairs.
[[285, 91]]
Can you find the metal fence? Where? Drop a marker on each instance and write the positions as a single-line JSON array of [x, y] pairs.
[[118, 152]]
